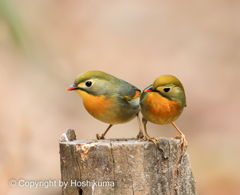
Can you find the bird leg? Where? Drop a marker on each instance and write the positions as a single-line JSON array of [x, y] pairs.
[[103, 135], [147, 137], [140, 134], [182, 138]]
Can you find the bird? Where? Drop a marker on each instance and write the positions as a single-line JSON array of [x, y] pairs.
[[108, 98], [162, 103]]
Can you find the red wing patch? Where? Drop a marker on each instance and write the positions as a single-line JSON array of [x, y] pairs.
[[137, 94]]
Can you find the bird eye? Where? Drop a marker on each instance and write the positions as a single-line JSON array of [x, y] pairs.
[[166, 89], [88, 83]]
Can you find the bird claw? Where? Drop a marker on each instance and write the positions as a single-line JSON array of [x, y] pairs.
[[98, 137], [152, 139], [140, 136], [183, 142]]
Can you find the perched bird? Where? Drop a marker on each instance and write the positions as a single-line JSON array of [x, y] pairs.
[[162, 103], [108, 99]]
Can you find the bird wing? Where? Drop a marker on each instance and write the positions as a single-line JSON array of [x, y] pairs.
[[127, 91]]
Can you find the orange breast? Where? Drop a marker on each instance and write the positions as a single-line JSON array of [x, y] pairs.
[[95, 105], [162, 109]]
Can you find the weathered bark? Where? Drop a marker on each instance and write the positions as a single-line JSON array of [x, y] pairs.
[[124, 167]]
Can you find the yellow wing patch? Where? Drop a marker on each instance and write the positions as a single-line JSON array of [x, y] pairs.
[[137, 94]]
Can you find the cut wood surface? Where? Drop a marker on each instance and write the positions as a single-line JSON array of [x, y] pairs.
[[124, 166]]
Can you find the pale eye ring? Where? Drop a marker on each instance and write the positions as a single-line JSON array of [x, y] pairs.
[[167, 89], [88, 83]]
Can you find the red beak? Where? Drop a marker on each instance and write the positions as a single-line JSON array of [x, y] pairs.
[[71, 87], [149, 89]]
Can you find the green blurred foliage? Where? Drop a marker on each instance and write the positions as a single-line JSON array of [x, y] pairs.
[[10, 16]]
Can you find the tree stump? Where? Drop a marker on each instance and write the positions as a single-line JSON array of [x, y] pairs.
[[124, 166]]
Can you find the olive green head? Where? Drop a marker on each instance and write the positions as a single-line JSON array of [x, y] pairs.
[[91, 75], [93, 82], [170, 87]]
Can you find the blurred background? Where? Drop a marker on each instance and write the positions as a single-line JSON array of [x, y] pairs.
[[45, 44]]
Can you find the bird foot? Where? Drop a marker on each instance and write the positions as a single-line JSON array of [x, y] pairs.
[[183, 142], [98, 137], [140, 136], [152, 139]]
